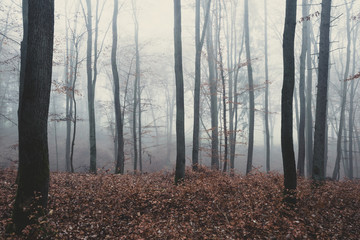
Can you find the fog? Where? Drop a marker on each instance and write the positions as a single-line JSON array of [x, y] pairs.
[[157, 81]]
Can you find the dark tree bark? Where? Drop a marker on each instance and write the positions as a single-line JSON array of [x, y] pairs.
[[199, 42], [251, 90], [180, 112], [301, 132], [318, 172], [287, 146], [33, 176], [120, 157]]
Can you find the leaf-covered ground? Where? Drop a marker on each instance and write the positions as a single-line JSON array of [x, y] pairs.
[[208, 205]]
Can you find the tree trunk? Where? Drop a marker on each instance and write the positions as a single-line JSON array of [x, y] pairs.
[[224, 110], [74, 116], [213, 100], [199, 42], [91, 90], [336, 172], [251, 90], [287, 146], [321, 99], [301, 132], [137, 93], [68, 110], [33, 176], [55, 138], [120, 157], [267, 82], [180, 111], [309, 118], [351, 110]]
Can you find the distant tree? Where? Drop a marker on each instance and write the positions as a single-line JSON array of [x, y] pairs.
[[339, 152], [352, 110], [267, 82], [92, 72], [33, 176], [251, 90], [120, 157], [137, 96], [199, 42], [318, 172], [213, 98], [180, 112], [308, 114], [287, 146]]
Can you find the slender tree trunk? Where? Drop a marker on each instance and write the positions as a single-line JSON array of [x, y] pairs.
[[134, 124], [251, 90], [351, 110], [74, 61], [74, 121], [213, 100], [55, 137], [137, 93], [224, 110], [170, 113], [301, 154], [322, 89], [336, 172], [180, 111], [33, 175], [267, 82], [75, 70], [91, 90], [199, 42], [68, 110], [309, 118], [287, 145], [120, 158]]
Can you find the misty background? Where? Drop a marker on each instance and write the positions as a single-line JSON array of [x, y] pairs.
[[157, 81]]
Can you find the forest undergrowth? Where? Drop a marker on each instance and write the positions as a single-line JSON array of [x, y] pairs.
[[207, 205]]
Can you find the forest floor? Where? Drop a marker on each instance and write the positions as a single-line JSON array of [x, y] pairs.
[[208, 205]]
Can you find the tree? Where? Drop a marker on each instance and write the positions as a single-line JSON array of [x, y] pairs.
[[92, 72], [180, 112], [336, 172], [308, 114], [137, 94], [301, 132], [33, 176], [353, 89], [318, 172], [267, 132], [251, 90], [287, 145], [213, 99], [90, 89], [199, 42], [120, 157]]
